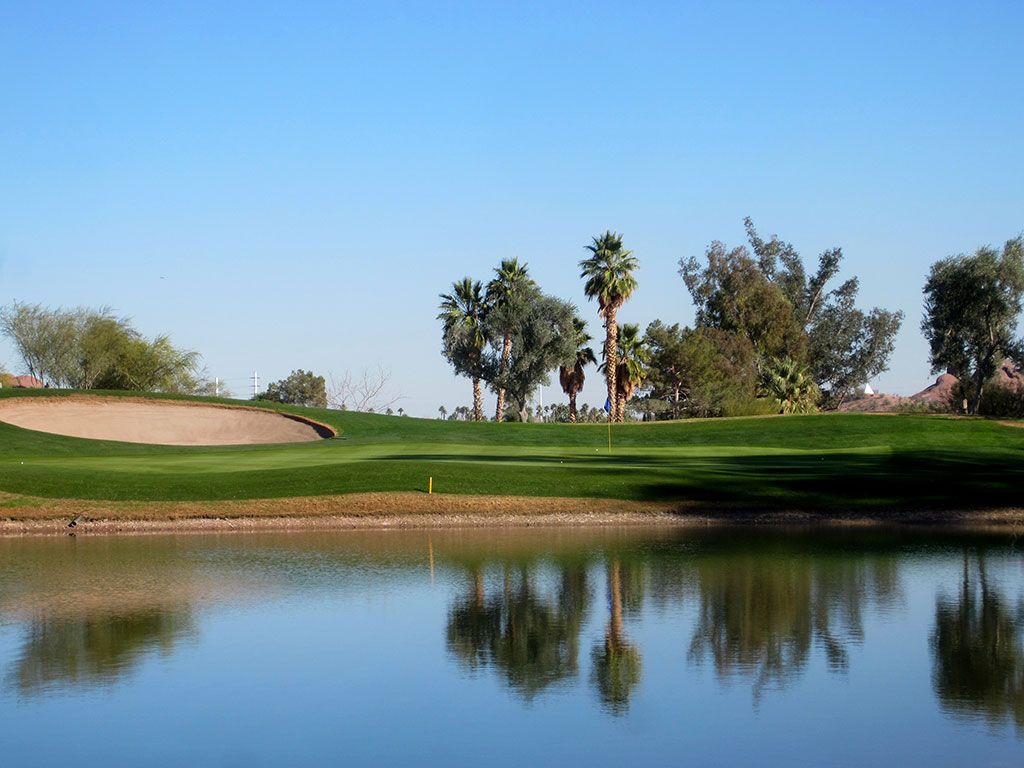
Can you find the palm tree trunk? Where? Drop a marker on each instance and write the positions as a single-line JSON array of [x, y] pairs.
[[620, 408], [478, 410], [615, 632], [611, 343], [572, 406], [506, 353], [478, 587]]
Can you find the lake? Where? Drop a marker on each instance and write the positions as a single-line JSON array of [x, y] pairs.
[[514, 647]]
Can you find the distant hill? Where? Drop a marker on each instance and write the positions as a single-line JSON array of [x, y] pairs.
[[936, 396]]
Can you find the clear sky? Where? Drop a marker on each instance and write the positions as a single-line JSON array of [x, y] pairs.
[[290, 185]]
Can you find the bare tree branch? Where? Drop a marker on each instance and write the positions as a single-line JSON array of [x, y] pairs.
[[367, 391]]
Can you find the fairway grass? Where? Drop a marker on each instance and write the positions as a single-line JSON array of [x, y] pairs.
[[824, 464]]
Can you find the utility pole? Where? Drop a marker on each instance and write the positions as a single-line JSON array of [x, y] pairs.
[[216, 386], [255, 384]]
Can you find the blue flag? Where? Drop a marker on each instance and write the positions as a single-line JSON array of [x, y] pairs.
[[608, 405]]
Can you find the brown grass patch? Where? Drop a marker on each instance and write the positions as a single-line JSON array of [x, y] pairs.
[[25, 514]]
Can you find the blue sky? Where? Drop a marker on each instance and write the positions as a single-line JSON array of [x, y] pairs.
[[307, 179]]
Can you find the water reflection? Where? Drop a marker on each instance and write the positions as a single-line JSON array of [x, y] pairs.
[[541, 611], [978, 648], [761, 616], [531, 637], [617, 662], [94, 650]]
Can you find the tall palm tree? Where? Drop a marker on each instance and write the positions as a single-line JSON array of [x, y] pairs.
[[609, 279], [634, 357], [463, 312], [572, 379], [511, 280]]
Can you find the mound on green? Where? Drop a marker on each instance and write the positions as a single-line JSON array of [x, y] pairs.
[[828, 462]]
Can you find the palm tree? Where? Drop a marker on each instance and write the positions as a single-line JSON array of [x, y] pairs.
[[510, 281], [632, 368], [443, 411], [634, 357], [609, 278], [572, 379], [792, 387], [463, 312]]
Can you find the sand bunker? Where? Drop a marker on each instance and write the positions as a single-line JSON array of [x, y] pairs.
[[158, 422]]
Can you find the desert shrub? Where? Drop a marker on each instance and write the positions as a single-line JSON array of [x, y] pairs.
[[1002, 401], [922, 407], [749, 406]]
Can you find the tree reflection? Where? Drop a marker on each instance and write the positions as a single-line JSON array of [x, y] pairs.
[[532, 638], [760, 617], [617, 662], [96, 649], [978, 651]]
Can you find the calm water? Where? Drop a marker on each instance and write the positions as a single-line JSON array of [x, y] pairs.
[[518, 648]]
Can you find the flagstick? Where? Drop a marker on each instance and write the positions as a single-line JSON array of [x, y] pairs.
[[609, 433]]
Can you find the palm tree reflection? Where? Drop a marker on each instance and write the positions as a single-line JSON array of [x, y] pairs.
[[617, 662], [532, 638]]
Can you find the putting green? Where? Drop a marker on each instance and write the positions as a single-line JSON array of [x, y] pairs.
[[814, 462]]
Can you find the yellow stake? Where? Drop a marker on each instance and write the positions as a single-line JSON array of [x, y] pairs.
[[430, 485]]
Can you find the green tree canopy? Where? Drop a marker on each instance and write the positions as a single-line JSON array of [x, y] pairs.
[[767, 295], [972, 304], [506, 296], [701, 372], [298, 388], [731, 293], [543, 340], [83, 348]]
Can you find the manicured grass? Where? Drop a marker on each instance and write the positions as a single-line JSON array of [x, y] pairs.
[[828, 461]]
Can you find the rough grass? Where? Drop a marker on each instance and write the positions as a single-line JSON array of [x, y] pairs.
[[820, 462]]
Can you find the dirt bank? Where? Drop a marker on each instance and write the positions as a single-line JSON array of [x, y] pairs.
[[29, 515]]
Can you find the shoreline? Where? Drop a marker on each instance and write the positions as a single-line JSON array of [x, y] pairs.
[[23, 515]]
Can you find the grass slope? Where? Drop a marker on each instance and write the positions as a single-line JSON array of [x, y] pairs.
[[829, 461]]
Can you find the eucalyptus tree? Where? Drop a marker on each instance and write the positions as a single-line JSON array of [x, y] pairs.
[[505, 296], [610, 277], [543, 340], [972, 304], [766, 294], [573, 377], [464, 316]]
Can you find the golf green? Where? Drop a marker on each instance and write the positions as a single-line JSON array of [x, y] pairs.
[[825, 461]]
